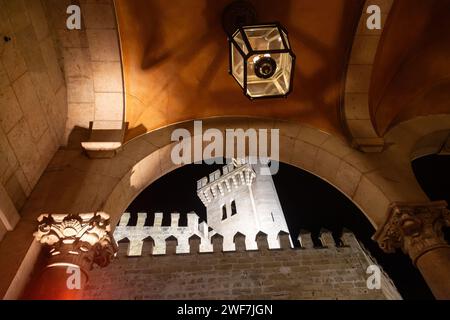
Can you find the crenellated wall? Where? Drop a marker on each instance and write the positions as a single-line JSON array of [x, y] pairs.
[[218, 183], [137, 235], [306, 273]]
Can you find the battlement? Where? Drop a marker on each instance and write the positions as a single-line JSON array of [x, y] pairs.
[[156, 240], [219, 182], [138, 233]]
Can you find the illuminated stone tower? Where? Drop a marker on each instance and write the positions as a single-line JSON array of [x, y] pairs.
[[240, 199]]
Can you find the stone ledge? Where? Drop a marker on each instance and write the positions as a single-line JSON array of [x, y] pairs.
[[101, 150], [105, 139]]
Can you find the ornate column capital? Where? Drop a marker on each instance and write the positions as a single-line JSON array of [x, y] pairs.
[[416, 228], [81, 239]]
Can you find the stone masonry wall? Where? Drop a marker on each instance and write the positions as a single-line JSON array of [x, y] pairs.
[[33, 102], [54, 83], [307, 273]]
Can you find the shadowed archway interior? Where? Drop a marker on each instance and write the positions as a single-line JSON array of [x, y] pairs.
[[308, 202], [433, 174]]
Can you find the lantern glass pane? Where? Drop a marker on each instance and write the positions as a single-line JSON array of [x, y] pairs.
[[237, 65], [262, 89], [264, 38], [240, 41], [283, 78], [278, 84], [286, 39]]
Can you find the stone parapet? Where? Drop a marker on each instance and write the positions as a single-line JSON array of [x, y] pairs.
[[218, 183]]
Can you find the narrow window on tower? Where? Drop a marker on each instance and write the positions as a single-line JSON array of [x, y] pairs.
[[233, 208], [224, 212]]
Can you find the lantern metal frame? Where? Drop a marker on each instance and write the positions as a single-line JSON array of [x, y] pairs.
[[287, 50]]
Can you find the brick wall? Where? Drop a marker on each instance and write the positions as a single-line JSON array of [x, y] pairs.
[[307, 273]]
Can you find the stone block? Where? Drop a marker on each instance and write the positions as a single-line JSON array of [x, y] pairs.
[[261, 241], [38, 18], [27, 153], [10, 112], [194, 244], [80, 89], [12, 59], [217, 242], [99, 16], [142, 216], [239, 242], [31, 106], [358, 78], [107, 77], [108, 107], [9, 216], [284, 240], [103, 45], [171, 245], [52, 64], [364, 49], [124, 219], [347, 178]]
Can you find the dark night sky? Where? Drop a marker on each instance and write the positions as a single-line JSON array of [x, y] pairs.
[[308, 203]]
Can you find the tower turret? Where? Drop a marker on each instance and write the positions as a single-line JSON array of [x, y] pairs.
[[239, 199]]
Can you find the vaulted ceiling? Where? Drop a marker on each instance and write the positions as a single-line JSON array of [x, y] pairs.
[[412, 74], [175, 57]]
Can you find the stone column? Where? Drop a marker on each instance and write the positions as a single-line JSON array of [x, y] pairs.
[[73, 244], [416, 228]]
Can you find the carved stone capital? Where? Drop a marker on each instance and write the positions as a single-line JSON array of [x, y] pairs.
[[416, 228], [82, 239]]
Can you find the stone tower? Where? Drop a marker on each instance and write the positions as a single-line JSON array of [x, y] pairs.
[[240, 199]]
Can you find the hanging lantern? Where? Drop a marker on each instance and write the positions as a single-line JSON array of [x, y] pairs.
[[262, 61], [261, 58]]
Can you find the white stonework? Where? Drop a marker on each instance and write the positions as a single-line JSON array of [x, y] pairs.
[[255, 201]]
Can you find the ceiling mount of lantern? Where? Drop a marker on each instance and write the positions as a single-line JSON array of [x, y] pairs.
[[261, 58]]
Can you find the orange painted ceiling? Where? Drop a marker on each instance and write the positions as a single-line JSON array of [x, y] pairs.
[[176, 61], [412, 69], [175, 57]]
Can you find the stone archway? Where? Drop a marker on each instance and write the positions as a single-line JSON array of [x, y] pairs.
[[371, 182], [355, 109]]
